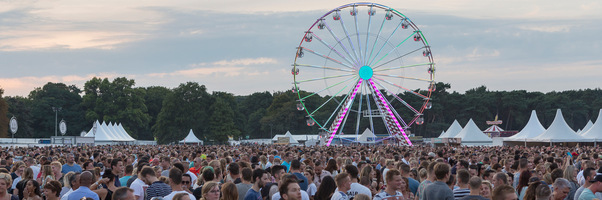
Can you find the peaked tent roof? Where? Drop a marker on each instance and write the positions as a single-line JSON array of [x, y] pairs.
[[586, 127], [452, 131], [367, 134], [109, 132], [531, 130], [442, 134], [595, 132], [191, 138], [493, 128], [472, 134], [558, 131], [291, 139], [125, 133]]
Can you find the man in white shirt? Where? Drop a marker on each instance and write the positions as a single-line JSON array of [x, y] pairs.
[[356, 188], [391, 192], [30, 162], [175, 182], [138, 185], [343, 186], [74, 181]]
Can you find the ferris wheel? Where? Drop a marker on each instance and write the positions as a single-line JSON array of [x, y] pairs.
[[361, 58]]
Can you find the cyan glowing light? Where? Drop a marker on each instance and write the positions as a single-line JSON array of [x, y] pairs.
[[366, 72], [390, 112], [340, 118]]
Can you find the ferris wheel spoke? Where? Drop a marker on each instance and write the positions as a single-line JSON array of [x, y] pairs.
[[327, 57], [403, 77], [400, 87], [398, 98], [312, 94], [349, 39], [323, 67], [330, 99], [401, 67], [395, 48], [398, 57], [333, 49], [359, 44], [324, 78], [386, 41], [370, 13], [359, 112], [340, 42]]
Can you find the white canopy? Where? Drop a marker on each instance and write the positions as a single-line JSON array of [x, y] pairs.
[[472, 134], [452, 131], [367, 136], [191, 138], [291, 139], [109, 133], [558, 131], [531, 130], [595, 132], [586, 128]]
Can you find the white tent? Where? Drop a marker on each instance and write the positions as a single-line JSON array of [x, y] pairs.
[[472, 135], [291, 139], [531, 130], [442, 134], [558, 131], [125, 133], [108, 133], [586, 128], [191, 138], [595, 132], [367, 136], [452, 131]]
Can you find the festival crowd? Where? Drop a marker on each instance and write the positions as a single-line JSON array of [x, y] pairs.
[[275, 172]]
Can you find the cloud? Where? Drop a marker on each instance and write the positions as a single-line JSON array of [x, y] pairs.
[[546, 29]]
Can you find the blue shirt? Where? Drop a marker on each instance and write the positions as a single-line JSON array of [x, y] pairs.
[[413, 185], [83, 191], [75, 168], [253, 195], [303, 184], [287, 165]]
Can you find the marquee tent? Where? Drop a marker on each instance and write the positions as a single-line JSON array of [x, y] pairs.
[[452, 131], [531, 130], [367, 136], [109, 133], [559, 131], [191, 138], [472, 135], [595, 132], [586, 128]]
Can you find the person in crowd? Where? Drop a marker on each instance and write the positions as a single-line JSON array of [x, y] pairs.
[[428, 180], [589, 174], [123, 193], [210, 191], [246, 184], [17, 173], [475, 183], [326, 189], [277, 171], [499, 179], [52, 190], [394, 180], [57, 169], [73, 181], [155, 188], [343, 185], [46, 175], [70, 165], [522, 166], [438, 189], [260, 179], [229, 191], [85, 180], [289, 189], [181, 196], [311, 187], [593, 190], [331, 169], [5, 183], [405, 170], [138, 184], [117, 168], [175, 182], [32, 190], [561, 189], [463, 178], [543, 192], [129, 169], [504, 192], [531, 191], [295, 169], [22, 184], [486, 189]]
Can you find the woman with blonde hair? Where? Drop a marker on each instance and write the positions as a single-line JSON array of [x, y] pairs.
[[20, 187], [570, 175], [229, 192], [5, 182], [210, 191], [46, 175], [56, 170], [17, 172]]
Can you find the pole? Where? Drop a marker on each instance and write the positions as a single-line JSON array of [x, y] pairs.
[[271, 133], [56, 115]]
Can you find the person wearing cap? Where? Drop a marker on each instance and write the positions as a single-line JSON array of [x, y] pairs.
[[594, 188], [589, 174]]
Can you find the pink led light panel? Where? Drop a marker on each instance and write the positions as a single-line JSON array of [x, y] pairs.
[[340, 119]]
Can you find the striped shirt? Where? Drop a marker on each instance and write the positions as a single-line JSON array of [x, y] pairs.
[[157, 189], [459, 193]]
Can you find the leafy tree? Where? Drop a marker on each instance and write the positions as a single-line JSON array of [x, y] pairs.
[[154, 102], [185, 108], [221, 123], [254, 106], [56, 95], [20, 107], [3, 119]]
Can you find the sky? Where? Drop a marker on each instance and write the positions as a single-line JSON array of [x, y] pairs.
[[244, 47]]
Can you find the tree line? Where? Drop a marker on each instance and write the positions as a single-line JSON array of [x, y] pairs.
[[167, 114]]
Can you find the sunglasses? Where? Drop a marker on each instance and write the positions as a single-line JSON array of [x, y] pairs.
[[185, 182]]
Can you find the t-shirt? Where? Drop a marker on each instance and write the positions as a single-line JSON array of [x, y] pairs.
[[303, 184], [124, 180], [459, 193], [287, 165], [139, 188], [587, 194], [474, 197], [251, 194], [157, 189], [384, 195], [172, 194], [357, 188], [243, 188], [75, 168], [413, 184], [312, 189], [578, 192], [339, 196], [438, 191], [420, 192]]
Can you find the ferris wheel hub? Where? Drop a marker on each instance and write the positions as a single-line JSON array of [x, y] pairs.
[[366, 72]]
